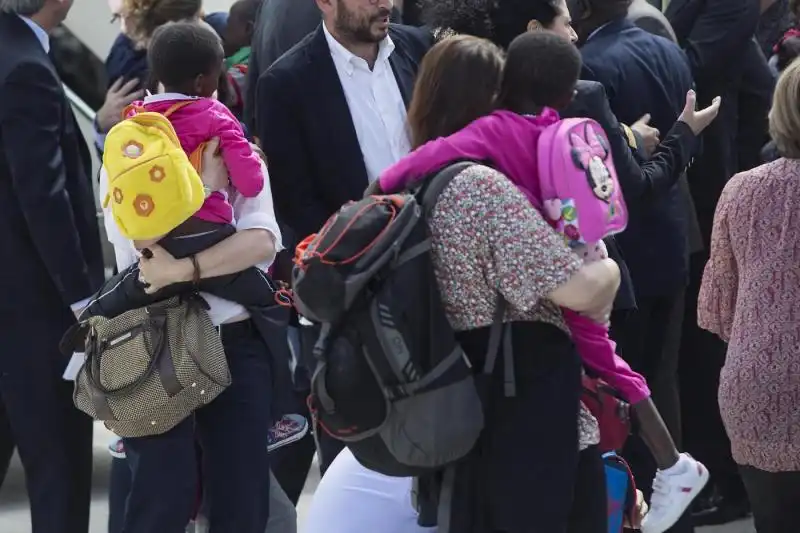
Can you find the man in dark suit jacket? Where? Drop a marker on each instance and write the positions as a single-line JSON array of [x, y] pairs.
[[307, 131], [280, 25], [312, 127], [52, 263], [716, 35]]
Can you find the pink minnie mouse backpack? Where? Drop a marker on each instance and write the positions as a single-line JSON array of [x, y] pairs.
[[580, 191]]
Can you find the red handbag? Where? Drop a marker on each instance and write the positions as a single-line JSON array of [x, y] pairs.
[[610, 410]]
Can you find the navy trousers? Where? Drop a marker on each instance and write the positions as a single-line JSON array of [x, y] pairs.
[[232, 431], [53, 438]]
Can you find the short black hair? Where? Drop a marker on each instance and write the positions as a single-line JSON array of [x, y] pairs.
[[246, 9], [541, 69], [788, 51], [180, 52], [500, 21]]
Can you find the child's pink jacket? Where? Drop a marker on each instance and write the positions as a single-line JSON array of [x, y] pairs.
[[508, 142], [199, 122]]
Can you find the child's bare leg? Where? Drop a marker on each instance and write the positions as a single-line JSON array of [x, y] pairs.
[[656, 435]]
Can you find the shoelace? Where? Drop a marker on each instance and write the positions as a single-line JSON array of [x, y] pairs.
[[660, 492]]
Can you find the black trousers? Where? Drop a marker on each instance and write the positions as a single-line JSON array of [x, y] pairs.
[[702, 355], [649, 340], [590, 503], [53, 438], [291, 464], [775, 499], [232, 431]]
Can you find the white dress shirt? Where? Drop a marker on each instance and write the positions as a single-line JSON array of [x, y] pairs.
[[352, 499], [376, 105], [41, 35], [249, 213]]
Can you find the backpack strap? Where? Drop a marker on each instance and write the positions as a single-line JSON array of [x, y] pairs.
[[433, 186], [176, 106], [501, 332]]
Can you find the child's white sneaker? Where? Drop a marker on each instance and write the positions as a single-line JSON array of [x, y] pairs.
[[673, 491]]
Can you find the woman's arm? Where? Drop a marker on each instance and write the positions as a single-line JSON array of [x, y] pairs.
[[255, 243], [530, 259], [716, 306], [591, 290]]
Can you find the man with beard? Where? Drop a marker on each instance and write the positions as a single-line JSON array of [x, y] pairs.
[[280, 25], [331, 116]]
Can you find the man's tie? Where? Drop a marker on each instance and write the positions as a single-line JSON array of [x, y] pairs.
[[664, 5]]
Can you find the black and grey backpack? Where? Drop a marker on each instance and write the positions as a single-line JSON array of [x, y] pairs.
[[391, 381]]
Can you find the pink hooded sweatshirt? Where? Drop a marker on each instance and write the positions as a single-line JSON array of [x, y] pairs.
[[199, 122], [507, 142]]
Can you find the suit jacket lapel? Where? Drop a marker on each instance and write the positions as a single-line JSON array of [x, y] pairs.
[[331, 104], [403, 73]]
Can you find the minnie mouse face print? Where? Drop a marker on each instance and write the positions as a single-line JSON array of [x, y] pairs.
[[590, 152], [600, 179]]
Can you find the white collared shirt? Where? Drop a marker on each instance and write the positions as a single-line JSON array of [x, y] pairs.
[[249, 213], [376, 105], [41, 35]]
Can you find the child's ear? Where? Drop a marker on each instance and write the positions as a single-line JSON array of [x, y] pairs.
[[199, 83]]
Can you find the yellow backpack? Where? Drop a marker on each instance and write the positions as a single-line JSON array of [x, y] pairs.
[[153, 186]]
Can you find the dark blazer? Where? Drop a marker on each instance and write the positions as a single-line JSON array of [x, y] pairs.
[[307, 133], [643, 73], [48, 217], [715, 35], [652, 20]]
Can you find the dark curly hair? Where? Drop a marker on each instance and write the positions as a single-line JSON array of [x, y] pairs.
[[497, 20], [180, 52]]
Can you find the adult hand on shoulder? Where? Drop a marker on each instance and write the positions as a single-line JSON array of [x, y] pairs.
[[699, 120], [215, 173], [117, 98], [161, 269], [650, 135]]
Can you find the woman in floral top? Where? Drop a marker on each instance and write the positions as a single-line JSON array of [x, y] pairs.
[[527, 474], [750, 297]]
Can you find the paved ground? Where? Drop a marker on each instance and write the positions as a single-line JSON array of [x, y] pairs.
[[14, 506]]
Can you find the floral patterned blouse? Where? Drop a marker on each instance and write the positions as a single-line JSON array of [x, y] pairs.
[[751, 298], [486, 235]]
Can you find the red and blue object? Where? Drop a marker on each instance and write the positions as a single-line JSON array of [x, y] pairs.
[[620, 490]]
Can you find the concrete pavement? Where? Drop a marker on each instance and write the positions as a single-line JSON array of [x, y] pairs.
[[14, 517]]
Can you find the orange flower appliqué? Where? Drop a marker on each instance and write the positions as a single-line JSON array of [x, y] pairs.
[[132, 150], [117, 195], [157, 174], [143, 205]]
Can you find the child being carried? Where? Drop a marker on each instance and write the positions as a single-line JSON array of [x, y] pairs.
[[565, 170]]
